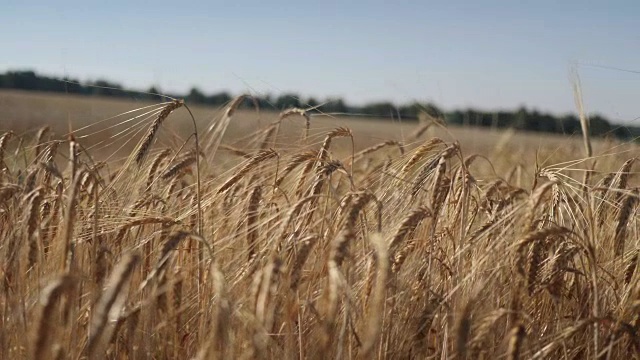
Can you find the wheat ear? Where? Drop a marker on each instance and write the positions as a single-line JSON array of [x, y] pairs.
[[627, 207], [145, 145], [516, 338], [4, 140], [376, 309], [420, 153], [261, 156], [50, 297], [110, 305], [296, 111], [40, 135]]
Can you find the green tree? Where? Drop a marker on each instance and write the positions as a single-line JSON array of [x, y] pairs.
[[455, 117], [152, 94], [599, 126], [218, 99], [196, 96], [334, 106], [287, 100], [382, 109], [521, 118], [311, 102]]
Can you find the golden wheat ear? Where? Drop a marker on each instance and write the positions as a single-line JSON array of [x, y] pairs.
[[376, 308], [109, 306], [50, 298], [300, 112], [147, 141], [516, 338], [4, 141]]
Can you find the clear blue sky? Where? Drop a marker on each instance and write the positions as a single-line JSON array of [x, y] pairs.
[[486, 54]]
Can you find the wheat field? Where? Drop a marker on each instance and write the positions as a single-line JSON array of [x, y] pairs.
[[301, 236]]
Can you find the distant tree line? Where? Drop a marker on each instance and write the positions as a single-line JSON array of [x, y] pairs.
[[521, 119]]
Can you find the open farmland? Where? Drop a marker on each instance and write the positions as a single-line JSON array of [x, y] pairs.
[[285, 235]]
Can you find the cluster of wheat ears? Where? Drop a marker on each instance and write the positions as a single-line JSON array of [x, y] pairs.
[[393, 251]]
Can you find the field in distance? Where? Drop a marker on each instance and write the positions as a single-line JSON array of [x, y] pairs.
[[27, 111]]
